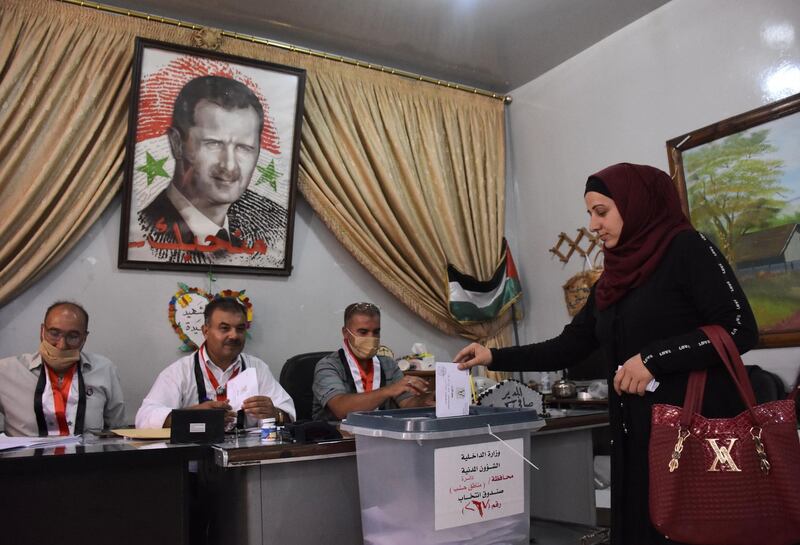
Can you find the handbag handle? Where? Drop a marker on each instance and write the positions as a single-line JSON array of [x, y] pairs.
[[735, 361], [729, 354]]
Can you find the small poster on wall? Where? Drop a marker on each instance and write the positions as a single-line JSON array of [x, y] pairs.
[[478, 482]]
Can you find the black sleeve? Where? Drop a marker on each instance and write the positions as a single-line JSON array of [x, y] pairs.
[[709, 282], [573, 345]]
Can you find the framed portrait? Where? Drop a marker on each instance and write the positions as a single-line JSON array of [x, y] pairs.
[[739, 181], [211, 164]]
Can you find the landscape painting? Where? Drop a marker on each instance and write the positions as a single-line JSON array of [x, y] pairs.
[[740, 183]]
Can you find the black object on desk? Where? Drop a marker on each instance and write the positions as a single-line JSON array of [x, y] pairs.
[[313, 431], [197, 426]]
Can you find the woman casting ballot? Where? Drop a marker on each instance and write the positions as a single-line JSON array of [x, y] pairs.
[[662, 280]]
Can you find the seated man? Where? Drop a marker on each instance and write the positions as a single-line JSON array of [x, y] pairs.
[[60, 390], [197, 381], [355, 379]]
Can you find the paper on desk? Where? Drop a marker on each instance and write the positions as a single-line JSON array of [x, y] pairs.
[[143, 433], [241, 387], [37, 442], [651, 386], [452, 390]]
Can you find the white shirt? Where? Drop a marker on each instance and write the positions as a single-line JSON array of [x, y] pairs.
[[176, 388], [19, 376], [198, 222]]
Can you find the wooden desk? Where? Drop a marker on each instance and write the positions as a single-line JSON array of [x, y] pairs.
[[284, 493], [563, 488], [99, 491], [430, 376], [115, 491], [574, 402]]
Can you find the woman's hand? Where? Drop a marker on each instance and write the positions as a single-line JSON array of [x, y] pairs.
[[472, 355], [633, 377]]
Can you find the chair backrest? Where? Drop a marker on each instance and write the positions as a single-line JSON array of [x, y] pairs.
[[767, 386], [297, 376]]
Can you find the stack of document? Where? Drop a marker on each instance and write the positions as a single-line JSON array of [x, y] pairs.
[[7, 443]]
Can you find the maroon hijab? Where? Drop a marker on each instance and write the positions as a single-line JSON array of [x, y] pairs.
[[651, 214]]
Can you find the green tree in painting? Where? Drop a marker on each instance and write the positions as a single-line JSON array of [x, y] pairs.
[[732, 188]]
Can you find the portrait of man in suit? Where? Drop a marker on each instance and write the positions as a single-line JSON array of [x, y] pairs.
[[207, 213]]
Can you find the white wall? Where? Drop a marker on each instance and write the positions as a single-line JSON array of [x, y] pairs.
[[128, 309], [686, 65]]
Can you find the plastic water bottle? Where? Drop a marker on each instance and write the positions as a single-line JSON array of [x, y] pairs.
[[545, 384]]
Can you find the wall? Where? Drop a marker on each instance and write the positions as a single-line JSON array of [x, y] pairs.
[[128, 309], [686, 65]]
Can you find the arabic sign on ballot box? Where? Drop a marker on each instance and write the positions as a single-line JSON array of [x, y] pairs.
[[423, 479], [477, 482]]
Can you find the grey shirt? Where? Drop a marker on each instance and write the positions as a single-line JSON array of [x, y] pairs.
[[18, 378], [331, 380]]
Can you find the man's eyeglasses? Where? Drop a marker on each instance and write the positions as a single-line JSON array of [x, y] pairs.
[[54, 335]]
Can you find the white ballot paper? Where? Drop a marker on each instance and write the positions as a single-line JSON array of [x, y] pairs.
[[242, 386], [452, 390]]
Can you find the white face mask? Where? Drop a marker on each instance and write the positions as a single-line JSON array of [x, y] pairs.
[[58, 359], [364, 348]]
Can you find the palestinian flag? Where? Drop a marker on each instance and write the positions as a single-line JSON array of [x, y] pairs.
[[472, 300]]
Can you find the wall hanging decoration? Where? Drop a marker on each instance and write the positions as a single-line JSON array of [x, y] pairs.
[[577, 288], [574, 245], [739, 182], [211, 167], [186, 309]]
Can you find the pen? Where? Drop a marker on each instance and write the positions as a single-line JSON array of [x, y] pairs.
[[474, 391]]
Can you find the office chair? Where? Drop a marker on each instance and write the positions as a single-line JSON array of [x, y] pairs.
[[297, 376], [767, 386]]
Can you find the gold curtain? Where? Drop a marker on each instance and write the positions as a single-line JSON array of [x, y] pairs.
[[409, 176], [409, 179], [63, 104]]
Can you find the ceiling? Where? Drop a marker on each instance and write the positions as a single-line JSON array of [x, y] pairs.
[[496, 45]]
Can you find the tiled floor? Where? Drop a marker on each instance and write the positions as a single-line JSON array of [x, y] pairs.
[[545, 532]]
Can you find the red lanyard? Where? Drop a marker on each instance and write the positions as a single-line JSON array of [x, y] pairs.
[[220, 392], [60, 396]]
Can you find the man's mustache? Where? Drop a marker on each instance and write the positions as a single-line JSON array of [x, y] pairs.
[[233, 342], [227, 175]]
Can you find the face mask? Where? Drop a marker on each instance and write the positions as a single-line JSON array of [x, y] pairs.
[[364, 348], [56, 358]]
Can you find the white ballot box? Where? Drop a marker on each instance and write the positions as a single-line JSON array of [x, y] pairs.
[[428, 480]]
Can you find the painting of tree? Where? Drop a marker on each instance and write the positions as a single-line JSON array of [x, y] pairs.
[[739, 181], [734, 187]]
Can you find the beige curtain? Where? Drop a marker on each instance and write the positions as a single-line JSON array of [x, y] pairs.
[[408, 176], [63, 110]]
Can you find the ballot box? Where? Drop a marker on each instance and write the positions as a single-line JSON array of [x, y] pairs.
[[436, 481]]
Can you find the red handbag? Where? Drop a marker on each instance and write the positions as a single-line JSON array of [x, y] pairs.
[[725, 481]]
